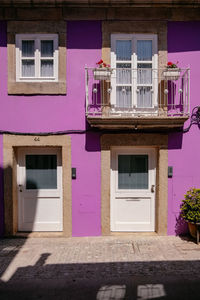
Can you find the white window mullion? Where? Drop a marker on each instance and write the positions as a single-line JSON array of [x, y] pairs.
[[37, 58], [19, 62], [113, 75], [55, 57], [155, 71], [134, 92]]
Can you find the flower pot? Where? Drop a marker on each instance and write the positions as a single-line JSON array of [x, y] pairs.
[[192, 229], [172, 74], [102, 74]]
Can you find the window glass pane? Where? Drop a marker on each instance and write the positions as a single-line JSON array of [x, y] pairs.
[[28, 48], [144, 50], [133, 171], [123, 50], [144, 97], [124, 97], [41, 172], [47, 48], [47, 68], [144, 73], [28, 68], [123, 73]]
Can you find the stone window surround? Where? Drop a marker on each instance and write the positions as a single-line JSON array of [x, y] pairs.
[[135, 27], [158, 142], [10, 145], [30, 27]]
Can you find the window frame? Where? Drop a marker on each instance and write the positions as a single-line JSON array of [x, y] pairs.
[[37, 57], [134, 61]]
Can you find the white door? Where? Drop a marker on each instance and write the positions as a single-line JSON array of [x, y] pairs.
[[133, 175], [39, 178]]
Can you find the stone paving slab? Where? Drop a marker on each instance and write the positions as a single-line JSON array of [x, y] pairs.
[[101, 268], [59, 257]]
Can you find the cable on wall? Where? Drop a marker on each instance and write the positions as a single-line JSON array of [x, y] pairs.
[[194, 119], [46, 133]]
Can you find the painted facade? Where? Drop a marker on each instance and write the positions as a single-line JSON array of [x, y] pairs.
[[183, 155], [62, 113], [43, 113]]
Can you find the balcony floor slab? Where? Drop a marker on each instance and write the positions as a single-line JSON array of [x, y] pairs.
[[160, 123]]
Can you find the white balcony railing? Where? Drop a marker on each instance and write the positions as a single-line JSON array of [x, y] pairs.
[[138, 92]]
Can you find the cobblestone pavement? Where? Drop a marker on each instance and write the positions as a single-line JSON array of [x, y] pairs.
[[73, 262]]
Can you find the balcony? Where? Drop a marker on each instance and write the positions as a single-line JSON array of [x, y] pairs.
[[142, 98]]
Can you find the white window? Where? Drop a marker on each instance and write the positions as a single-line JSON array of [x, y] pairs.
[[134, 79], [36, 57]]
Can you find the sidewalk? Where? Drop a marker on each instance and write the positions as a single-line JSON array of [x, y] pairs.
[[100, 261]]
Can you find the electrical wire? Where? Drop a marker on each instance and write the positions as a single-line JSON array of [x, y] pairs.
[[46, 133], [194, 119]]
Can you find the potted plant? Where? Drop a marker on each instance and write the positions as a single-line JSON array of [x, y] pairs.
[[103, 72], [172, 72], [190, 211]]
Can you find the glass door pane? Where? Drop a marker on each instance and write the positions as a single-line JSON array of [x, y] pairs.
[[123, 50], [144, 50], [133, 172], [124, 97], [144, 73], [123, 74], [144, 99], [41, 171], [124, 92]]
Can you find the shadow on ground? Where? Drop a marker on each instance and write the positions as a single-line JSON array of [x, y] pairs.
[[104, 281]]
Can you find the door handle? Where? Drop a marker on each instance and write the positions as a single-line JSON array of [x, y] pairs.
[[153, 188]]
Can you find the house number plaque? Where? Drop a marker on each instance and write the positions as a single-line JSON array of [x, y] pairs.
[[36, 139]]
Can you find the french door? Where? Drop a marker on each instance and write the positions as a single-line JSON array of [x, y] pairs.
[[134, 78]]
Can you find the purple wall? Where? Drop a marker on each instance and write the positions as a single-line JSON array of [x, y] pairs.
[[53, 112], [184, 149], [86, 189], [43, 113], [1, 186]]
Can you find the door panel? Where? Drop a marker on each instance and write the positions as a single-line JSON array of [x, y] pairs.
[[40, 189], [132, 189], [138, 213]]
